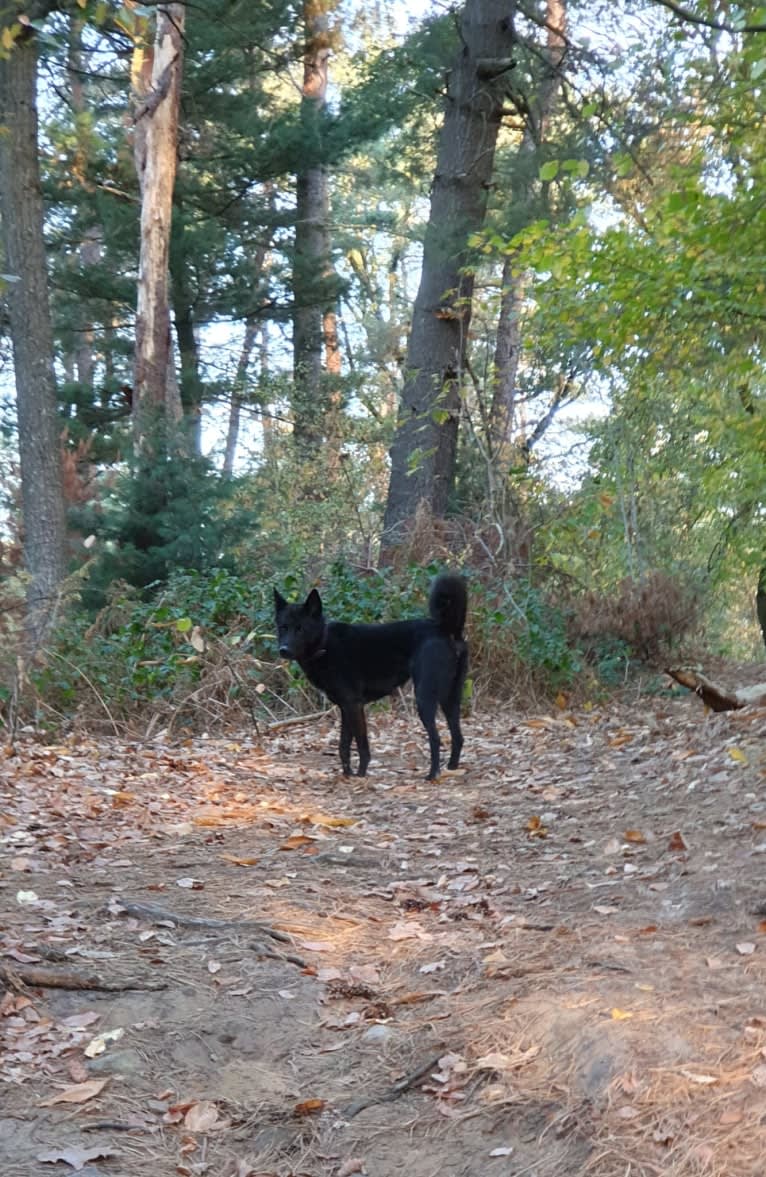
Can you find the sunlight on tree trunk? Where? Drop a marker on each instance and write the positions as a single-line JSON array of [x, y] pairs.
[[424, 447], [156, 79]]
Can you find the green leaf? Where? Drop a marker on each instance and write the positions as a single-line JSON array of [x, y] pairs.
[[184, 624], [549, 170]]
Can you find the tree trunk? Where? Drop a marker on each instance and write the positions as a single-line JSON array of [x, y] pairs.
[[237, 398], [315, 343], [21, 209], [188, 354], [508, 342], [424, 447], [156, 93], [91, 246], [760, 602]]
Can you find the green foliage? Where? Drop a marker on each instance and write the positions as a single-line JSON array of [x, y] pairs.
[[203, 644], [520, 639], [168, 511]]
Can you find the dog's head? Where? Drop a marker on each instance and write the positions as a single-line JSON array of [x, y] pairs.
[[300, 628]]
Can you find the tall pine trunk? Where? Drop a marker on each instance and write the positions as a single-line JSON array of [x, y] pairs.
[[157, 91], [316, 356], [425, 443], [21, 209]]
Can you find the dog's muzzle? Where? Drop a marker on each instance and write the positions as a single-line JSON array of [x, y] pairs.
[[284, 652]]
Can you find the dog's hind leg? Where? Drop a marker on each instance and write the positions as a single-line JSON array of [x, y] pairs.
[[358, 723], [427, 712], [345, 741], [452, 715], [451, 709]]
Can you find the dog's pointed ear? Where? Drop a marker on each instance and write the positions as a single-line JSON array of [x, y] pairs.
[[279, 601], [313, 604]]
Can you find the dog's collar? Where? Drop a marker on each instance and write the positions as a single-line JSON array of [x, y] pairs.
[[322, 646]]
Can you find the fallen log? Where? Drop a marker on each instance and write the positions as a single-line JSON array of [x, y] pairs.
[[716, 697]]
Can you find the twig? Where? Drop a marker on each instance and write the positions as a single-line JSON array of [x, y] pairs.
[[294, 719], [264, 950], [156, 914], [43, 978], [358, 1105]]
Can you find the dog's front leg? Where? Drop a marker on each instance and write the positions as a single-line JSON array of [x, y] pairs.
[[359, 727], [345, 741]]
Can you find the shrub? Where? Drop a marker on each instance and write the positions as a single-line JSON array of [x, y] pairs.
[[650, 615]]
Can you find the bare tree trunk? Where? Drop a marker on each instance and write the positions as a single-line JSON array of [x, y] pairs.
[[156, 91], [188, 354], [232, 433], [91, 246], [21, 210], [313, 278], [425, 444], [508, 342]]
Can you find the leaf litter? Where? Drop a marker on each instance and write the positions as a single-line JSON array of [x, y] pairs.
[[587, 892]]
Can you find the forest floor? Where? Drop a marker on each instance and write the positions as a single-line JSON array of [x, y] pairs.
[[550, 963]]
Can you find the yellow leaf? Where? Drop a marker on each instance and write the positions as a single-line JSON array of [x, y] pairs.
[[634, 836], [240, 861], [738, 755], [621, 1015]]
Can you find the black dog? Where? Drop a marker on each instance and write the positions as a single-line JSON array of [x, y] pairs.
[[356, 664]]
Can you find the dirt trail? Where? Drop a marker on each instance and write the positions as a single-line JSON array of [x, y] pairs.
[[550, 963]]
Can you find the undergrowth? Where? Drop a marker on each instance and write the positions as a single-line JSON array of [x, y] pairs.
[[199, 653]]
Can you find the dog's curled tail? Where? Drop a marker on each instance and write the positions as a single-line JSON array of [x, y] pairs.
[[447, 603]]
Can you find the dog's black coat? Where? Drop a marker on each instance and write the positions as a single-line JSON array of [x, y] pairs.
[[356, 664]]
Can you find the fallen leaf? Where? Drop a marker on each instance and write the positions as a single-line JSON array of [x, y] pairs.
[[746, 948], [79, 1021], [634, 836], [297, 840], [367, 973], [352, 1165], [409, 930], [703, 1080], [605, 909], [203, 1117], [329, 823], [738, 755], [309, 1107], [732, 1116], [76, 1157], [434, 966], [677, 842], [240, 861], [79, 1093], [503, 1151], [495, 1061], [98, 1044], [621, 1015]]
